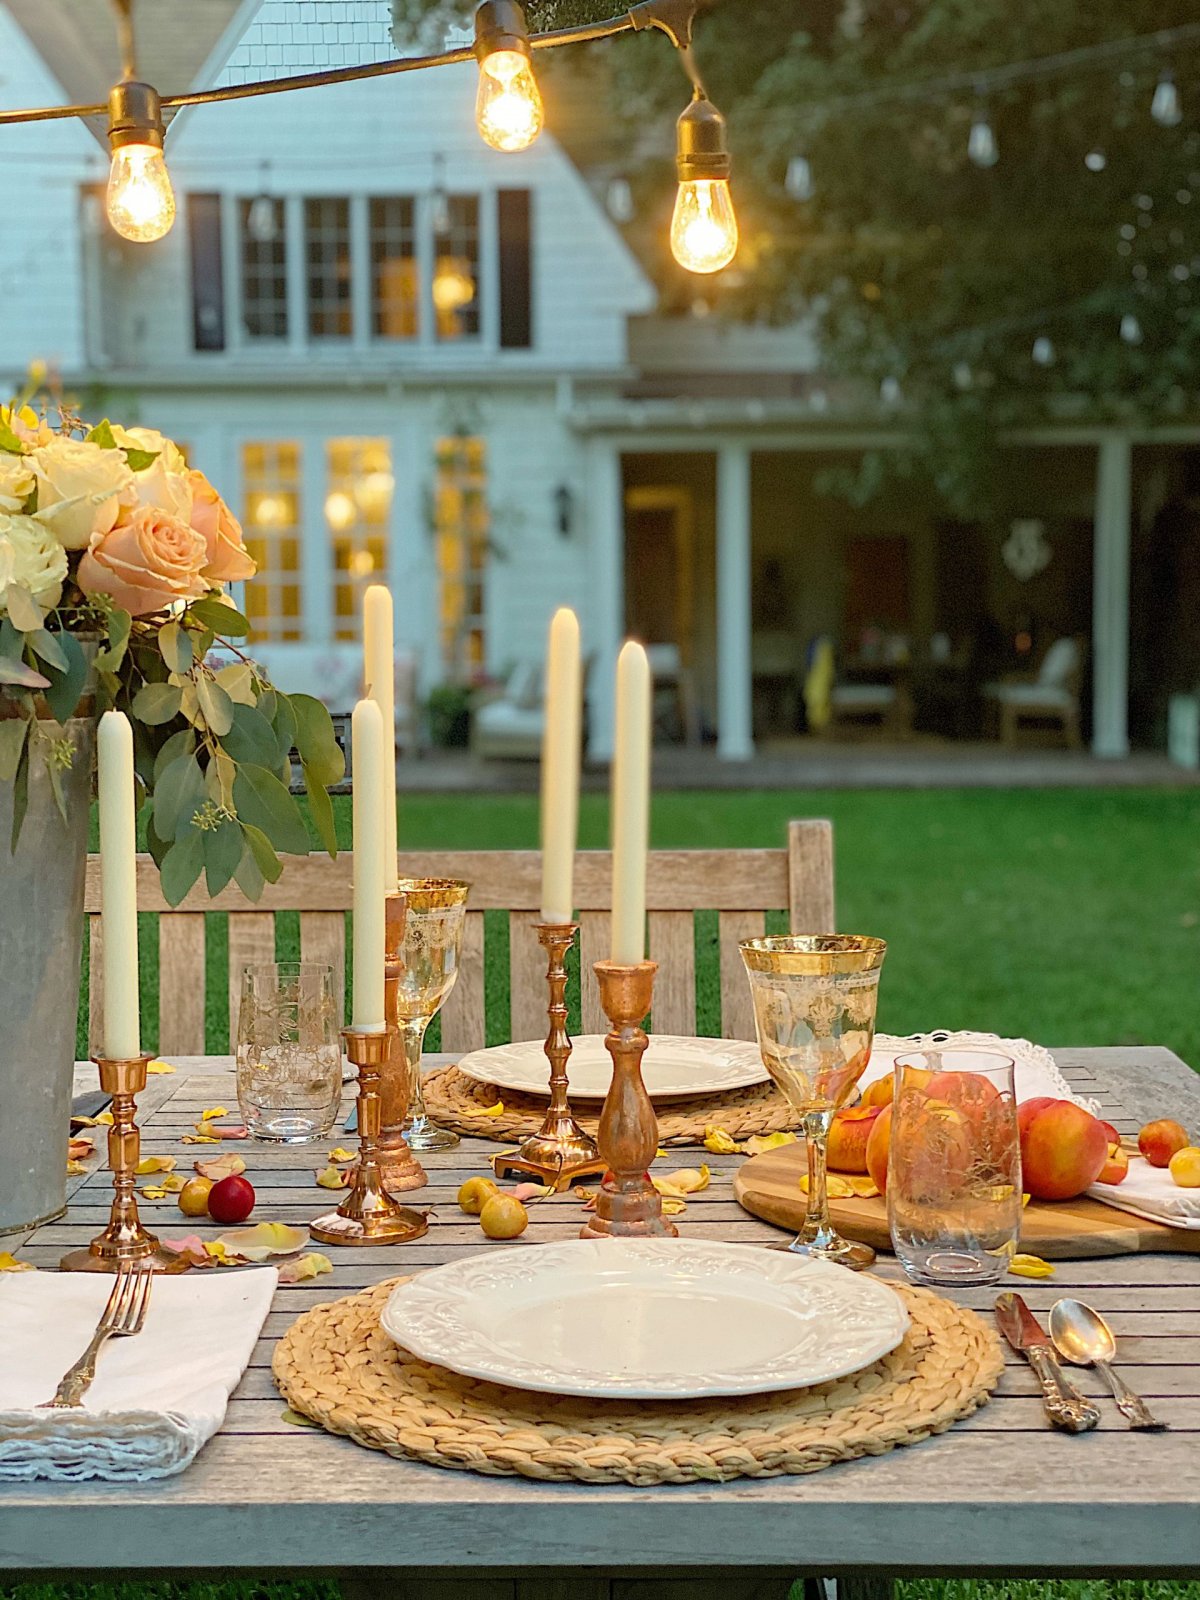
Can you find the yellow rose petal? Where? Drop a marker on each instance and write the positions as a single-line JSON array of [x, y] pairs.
[[332, 1178], [104, 1120], [199, 1138], [75, 1169], [9, 1263], [158, 1068], [863, 1188], [296, 1420], [688, 1180], [836, 1187], [153, 1192], [341, 1154], [720, 1143], [150, 1164], [1030, 1267], [761, 1142], [213, 1112], [494, 1111], [672, 1206]]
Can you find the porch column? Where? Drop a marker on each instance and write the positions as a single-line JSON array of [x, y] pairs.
[[735, 737], [1110, 598], [603, 616]]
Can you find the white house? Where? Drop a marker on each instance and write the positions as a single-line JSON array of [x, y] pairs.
[[401, 354]]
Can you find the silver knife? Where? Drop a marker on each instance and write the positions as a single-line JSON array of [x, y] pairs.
[[1064, 1404]]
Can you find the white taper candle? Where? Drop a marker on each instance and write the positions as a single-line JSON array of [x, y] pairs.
[[379, 669], [368, 742], [560, 767], [631, 805], [118, 886]]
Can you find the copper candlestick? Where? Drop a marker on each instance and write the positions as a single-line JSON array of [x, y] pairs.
[[124, 1239], [368, 1215], [400, 1168], [628, 1205], [560, 1151]]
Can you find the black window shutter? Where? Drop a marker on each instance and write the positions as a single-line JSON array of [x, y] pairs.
[[516, 268], [208, 279]]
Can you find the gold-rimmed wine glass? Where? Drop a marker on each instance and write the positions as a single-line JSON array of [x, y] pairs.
[[814, 1010], [433, 930]]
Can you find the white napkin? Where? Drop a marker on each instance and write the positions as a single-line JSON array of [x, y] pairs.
[[1151, 1192], [1035, 1072], [157, 1398]]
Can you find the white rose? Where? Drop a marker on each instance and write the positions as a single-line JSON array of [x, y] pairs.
[[164, 483], [16, 481], [81, 489], [31, 557]]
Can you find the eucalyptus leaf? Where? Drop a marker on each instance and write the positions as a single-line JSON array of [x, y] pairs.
[[9, 441], [320, 752], [263, 851], [157, 846], [103, 435], [222, 852], [139, 460], [17, 672], [175, 647], [251, 738], [215, 704], [320, 808], [249, 878], [283, 720], [178, 795], [22, 608], [156, 703], [13, 733], [263, 802], [179, 744], [182, 865], [119, 624], [237, 680], [66, 687], [20, 795], [224, 620], [47, 648]]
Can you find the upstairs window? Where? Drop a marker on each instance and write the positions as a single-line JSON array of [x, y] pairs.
[[264, 268], [327, 264], [456, 268], [395, 274]]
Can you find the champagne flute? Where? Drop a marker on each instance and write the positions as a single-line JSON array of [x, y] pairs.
[[433, 930], [814, 1010]]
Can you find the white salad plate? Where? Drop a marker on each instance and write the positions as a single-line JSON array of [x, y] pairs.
[[646, 1319], [672, 1069]]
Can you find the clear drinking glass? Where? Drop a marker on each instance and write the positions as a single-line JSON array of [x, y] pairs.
[[814, 1009], [954, 1168], [433, 929], [289, 1051]]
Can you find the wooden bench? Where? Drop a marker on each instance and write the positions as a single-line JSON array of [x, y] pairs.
[[741, 886]]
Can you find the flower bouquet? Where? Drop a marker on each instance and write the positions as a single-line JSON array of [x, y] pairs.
[[114, 557]]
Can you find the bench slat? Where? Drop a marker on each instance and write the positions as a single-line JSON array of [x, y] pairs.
[[463, 1015], [181, 984], [673, 946], [737, 1010], [595, 943], [251, 940]]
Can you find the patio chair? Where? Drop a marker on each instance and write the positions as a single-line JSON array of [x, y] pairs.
[[1051, 696], [741, 886], [507, 725]]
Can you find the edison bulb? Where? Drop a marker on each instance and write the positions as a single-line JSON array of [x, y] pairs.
[[141, 201], [704, 230], [508, 110]]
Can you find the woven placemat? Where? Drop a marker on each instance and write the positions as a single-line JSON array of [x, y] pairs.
[[456, 1101], [337, 1366]]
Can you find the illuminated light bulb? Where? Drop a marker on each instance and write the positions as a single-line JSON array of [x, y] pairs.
[[140, 200], [508, 110], [704, 230], [1165, 107]]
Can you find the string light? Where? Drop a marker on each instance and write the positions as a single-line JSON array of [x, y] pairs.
[[982, 148], [508, 110], [799, 180], [1043, 351], [1165, 107], [1095, 161], [704, 230], [1131, 329], [618, 201], [140, 199]]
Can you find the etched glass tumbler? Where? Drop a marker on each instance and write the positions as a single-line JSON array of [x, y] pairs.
[[289, 1051], [814, 1009], [954, 1167], [433, 930]]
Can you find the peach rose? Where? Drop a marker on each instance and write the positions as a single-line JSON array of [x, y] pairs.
[[145, 563], [227, 559]]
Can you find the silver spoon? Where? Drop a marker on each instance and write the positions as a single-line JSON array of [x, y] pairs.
[[1082, 1336]]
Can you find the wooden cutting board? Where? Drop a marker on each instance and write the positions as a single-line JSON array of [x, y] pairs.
[[768, 1186]]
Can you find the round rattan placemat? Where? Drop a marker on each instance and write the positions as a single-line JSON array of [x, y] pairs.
[[456, 1101], [337, 1366]]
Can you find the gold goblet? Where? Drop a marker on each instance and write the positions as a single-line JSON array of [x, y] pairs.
[[433, 931], [814, 1009]]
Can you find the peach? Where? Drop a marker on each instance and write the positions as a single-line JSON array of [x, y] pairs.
[[878, 1146], [1062, 1152], [848, 1135], [1159, 1141], [1185, 1167], [1110, 1133], [880, 1092], [967, 1092], [1028, 1109], [1116, 1168]]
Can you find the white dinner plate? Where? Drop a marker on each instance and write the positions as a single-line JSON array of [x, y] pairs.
[[671, 1068], [646, 1319]]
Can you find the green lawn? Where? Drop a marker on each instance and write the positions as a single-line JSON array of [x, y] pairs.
[[1066, 916]]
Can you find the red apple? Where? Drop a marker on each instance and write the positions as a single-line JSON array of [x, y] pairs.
[[231, 1200]]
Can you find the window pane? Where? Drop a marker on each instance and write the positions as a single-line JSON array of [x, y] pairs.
[[327, 259], [264, 268], [456, 269], [358, 508], [394, 279], [271, 515], [462, 527]]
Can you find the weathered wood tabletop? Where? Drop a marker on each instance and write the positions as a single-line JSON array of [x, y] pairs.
[[1000, 1492]]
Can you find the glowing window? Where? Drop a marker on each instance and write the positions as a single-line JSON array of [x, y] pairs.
[[462, 527], [271, 521], [395, 283], [456, 268], [358, 508]]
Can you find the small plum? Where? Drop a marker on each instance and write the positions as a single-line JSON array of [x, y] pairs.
[[193, 1197], [503, 1217], [231, 1201], [1159, 1141], [1185, 1167], [474, 1195]]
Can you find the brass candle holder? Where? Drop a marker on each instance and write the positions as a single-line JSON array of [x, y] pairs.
[[125, 1238], [368, 1215], [627, 1205], [560, 1151], [400, 1168]]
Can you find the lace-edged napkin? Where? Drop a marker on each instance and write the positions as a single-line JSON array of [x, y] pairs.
[[157, 1398]]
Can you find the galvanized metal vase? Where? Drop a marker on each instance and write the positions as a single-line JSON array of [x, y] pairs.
[[41, 942]]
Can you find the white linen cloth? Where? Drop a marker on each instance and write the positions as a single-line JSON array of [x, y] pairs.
[[157, 1398], [1151, 1192]]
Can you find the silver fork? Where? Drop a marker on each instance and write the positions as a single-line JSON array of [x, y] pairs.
[[122, 1317]]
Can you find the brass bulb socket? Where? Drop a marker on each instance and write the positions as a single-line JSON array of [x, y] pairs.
[[501, 25], [134, 116], [702, 153]]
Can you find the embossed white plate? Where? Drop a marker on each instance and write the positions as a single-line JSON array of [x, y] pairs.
[[672, 1069], [646, 1319]]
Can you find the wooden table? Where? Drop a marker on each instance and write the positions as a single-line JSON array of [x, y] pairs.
[[998, 1493]]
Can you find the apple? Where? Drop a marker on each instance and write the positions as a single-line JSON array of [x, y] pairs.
[[1063, 1150], [846, 1150], [1159, 1141]]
